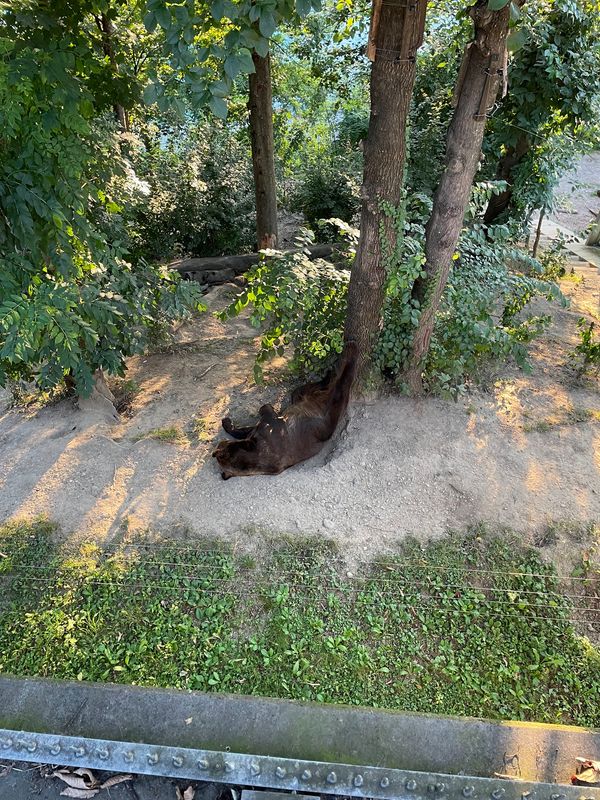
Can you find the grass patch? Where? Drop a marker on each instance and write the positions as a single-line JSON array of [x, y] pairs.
[[472, 624], [172, 435], [571, 416]]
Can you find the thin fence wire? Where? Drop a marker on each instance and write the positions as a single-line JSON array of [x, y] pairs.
[[284, 576]]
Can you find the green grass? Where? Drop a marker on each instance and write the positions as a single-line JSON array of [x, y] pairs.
[[570, 416], [472, 624], [172, 435]]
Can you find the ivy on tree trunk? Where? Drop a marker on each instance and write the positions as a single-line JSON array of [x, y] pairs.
[[479, 78], [263, 159], [392, 79]]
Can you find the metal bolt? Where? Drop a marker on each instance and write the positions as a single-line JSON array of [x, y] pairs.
[[468, 791], [7, 743], [431, 787], [411, 785], [103, 754], [440, 787], [306, 775], [202, 763], [558, 796], [254, 768], [280, 772], [177, 761], [20, 744], [128, 756], [385, 782], [228, 766], [152, 759], [55, 749], [332, 778], [78, 751], [31, 746], [358, 780], [497, 794]]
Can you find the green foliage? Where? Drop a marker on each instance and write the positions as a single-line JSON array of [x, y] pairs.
[[479, 317], [209, 45], [324, 192], [198, 198], [299, 304], [550, 114], [587, 352], [472, 624], [70, 302]]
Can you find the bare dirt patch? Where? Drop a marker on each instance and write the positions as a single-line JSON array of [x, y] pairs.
[[402, 466]]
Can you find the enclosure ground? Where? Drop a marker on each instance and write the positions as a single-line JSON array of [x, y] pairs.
[[523, 450]]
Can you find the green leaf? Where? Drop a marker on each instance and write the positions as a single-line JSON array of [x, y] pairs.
[[262, 47], [218, 107], [246, 63], [232, 66], [150, 21], [496, 5], [516, 39], [217, 9], [220, 88], [303, 7], [163, 17], [150, 94], [267, 24], [515, 12]]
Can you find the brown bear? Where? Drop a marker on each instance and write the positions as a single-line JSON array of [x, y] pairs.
[[299, 432]]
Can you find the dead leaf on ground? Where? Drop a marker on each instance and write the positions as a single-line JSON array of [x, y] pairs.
[[189, 793], [114, 780], [74, 779], [81, 793]]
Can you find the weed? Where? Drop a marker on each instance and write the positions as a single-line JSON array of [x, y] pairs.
[[587, 353], [172, 435], [472, 624], [570, 416]]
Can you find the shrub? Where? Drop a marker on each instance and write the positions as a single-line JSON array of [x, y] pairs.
[[298, 304], [325, 192], [199, 196]]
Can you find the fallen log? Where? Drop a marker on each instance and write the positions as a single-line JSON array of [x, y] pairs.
[[213, 270]]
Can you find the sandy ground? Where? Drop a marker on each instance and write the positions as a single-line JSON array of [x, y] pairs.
[[402, 466]]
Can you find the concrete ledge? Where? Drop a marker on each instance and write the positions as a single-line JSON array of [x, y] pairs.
[[288, 729]]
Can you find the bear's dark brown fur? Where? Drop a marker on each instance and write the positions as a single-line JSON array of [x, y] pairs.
[[277, 442]]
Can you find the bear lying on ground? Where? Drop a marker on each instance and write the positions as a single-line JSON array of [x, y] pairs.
[[299, 432]]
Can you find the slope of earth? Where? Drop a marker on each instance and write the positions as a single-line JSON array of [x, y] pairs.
[[524, 453]]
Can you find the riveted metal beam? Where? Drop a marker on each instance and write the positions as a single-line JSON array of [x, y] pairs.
[[317, 777]]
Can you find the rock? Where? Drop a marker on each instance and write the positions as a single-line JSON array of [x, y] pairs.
[[328, 523]]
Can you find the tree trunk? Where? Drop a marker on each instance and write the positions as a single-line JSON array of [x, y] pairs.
[[392, 78], [477, 87], [107, 29], [498, 203], [263, 159]]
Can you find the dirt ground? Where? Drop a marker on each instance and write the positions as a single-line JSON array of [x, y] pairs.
[[523, 453]]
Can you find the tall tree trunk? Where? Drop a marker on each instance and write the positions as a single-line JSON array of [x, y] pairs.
[[396, 33], [498, 203], [476, 89], [107, 30], [263, 158]]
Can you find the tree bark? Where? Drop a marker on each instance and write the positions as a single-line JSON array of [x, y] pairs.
[[392, 79], [263, 158], [480, 77], [498, 203], [107, 29]]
